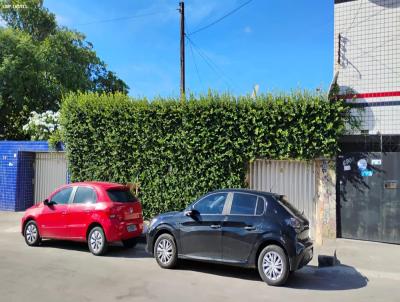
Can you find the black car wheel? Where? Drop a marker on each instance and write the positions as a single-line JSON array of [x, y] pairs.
[[31, 234], [165, 251], [130, 243], [97, 241], [273, 265]]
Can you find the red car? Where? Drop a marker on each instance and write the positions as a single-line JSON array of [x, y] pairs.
[[93, 212]]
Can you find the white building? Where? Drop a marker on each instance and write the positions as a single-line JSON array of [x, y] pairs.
[[367, 65], [367, 59]]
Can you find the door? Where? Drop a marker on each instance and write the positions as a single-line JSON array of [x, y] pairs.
[[50, 173], [53, 219], [242, 226], [201, 234], [79, 212], [295, 179], [369, 196]]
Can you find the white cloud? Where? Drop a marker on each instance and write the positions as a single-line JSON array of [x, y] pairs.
[[247, 30], [62, 20], [200, 12]]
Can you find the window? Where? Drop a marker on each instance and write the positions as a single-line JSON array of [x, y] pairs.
[[245, 204], [260, 206], [119, 195], [62, 197], [85, 195], [211, 204], [286, 204]]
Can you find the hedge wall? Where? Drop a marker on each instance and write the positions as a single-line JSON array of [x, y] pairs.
[[180, 150]]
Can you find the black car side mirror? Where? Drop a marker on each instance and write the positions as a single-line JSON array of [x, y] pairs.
[[191, 213], [48, 203]]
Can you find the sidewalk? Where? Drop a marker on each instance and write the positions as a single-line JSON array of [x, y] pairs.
[[371, 259]]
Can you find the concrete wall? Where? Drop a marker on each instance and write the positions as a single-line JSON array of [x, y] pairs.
[[325, 176], [16, 173]]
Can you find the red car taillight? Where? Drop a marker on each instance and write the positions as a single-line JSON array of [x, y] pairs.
[[112, 213]]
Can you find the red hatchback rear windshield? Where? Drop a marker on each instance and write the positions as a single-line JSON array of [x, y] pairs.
[[119, 195]]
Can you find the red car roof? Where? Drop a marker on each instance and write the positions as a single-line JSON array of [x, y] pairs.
[[100, 184]]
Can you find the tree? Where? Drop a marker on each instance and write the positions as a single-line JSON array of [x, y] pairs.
[[41, 61]]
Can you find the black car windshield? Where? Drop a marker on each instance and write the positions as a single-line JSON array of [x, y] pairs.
[[119, 195]]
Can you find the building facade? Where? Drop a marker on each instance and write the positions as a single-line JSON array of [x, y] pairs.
[[367, 69]]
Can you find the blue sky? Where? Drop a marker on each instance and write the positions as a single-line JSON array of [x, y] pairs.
[[279, 45]]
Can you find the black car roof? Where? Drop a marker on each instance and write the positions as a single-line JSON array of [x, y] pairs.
[[247, 191]]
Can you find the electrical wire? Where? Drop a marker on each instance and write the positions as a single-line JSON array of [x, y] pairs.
[[195, 64], [193, 56], [120, 18], [220, 19], [211, 64]]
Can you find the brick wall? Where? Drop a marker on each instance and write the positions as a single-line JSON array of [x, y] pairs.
[[367, 59], [16, 173]]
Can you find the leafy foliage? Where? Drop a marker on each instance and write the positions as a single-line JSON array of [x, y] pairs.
[[41, 126], [39, 62], [180, 150]]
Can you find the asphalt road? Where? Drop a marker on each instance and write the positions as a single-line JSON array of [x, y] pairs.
[[62, 271]]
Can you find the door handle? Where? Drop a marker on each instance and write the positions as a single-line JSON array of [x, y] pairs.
[[64, 213], [249, 228], [215, 226]]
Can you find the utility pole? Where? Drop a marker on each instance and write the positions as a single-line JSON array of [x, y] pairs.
[[182, 12]]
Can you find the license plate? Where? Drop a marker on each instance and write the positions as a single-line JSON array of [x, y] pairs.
[[131, 228]]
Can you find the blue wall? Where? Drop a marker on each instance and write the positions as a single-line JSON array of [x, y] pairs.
[[16, 173]]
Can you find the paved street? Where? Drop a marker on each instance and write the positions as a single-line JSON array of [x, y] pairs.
[[61, 271]]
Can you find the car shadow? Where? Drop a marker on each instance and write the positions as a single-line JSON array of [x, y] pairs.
[[114, 250], [219, 269], [339, 277]]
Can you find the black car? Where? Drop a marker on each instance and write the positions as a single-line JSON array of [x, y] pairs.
[[238, 227]]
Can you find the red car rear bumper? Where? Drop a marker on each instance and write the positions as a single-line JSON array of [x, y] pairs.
[[122, 230]]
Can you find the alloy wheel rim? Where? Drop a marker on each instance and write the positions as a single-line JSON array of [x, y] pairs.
[[164, 251], [272, 265], [31, 233], [96, 241]]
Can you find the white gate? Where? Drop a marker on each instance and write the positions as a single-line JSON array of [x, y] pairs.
[[50, 173], [295, 179]]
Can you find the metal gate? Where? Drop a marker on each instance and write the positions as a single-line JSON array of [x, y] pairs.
[[295, 179], [50, 173], [369, 196]]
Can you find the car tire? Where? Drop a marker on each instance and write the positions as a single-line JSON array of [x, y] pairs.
[[130, 243], [31, 234], [273, 265], [97, 241], [165, 251]]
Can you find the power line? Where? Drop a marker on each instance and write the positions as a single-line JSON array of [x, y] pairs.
[[195, 64], [120, 18], [193, 56], [211, 64], [220, 19]]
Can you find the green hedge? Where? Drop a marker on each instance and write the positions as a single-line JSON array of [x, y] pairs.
[[180, 150]]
